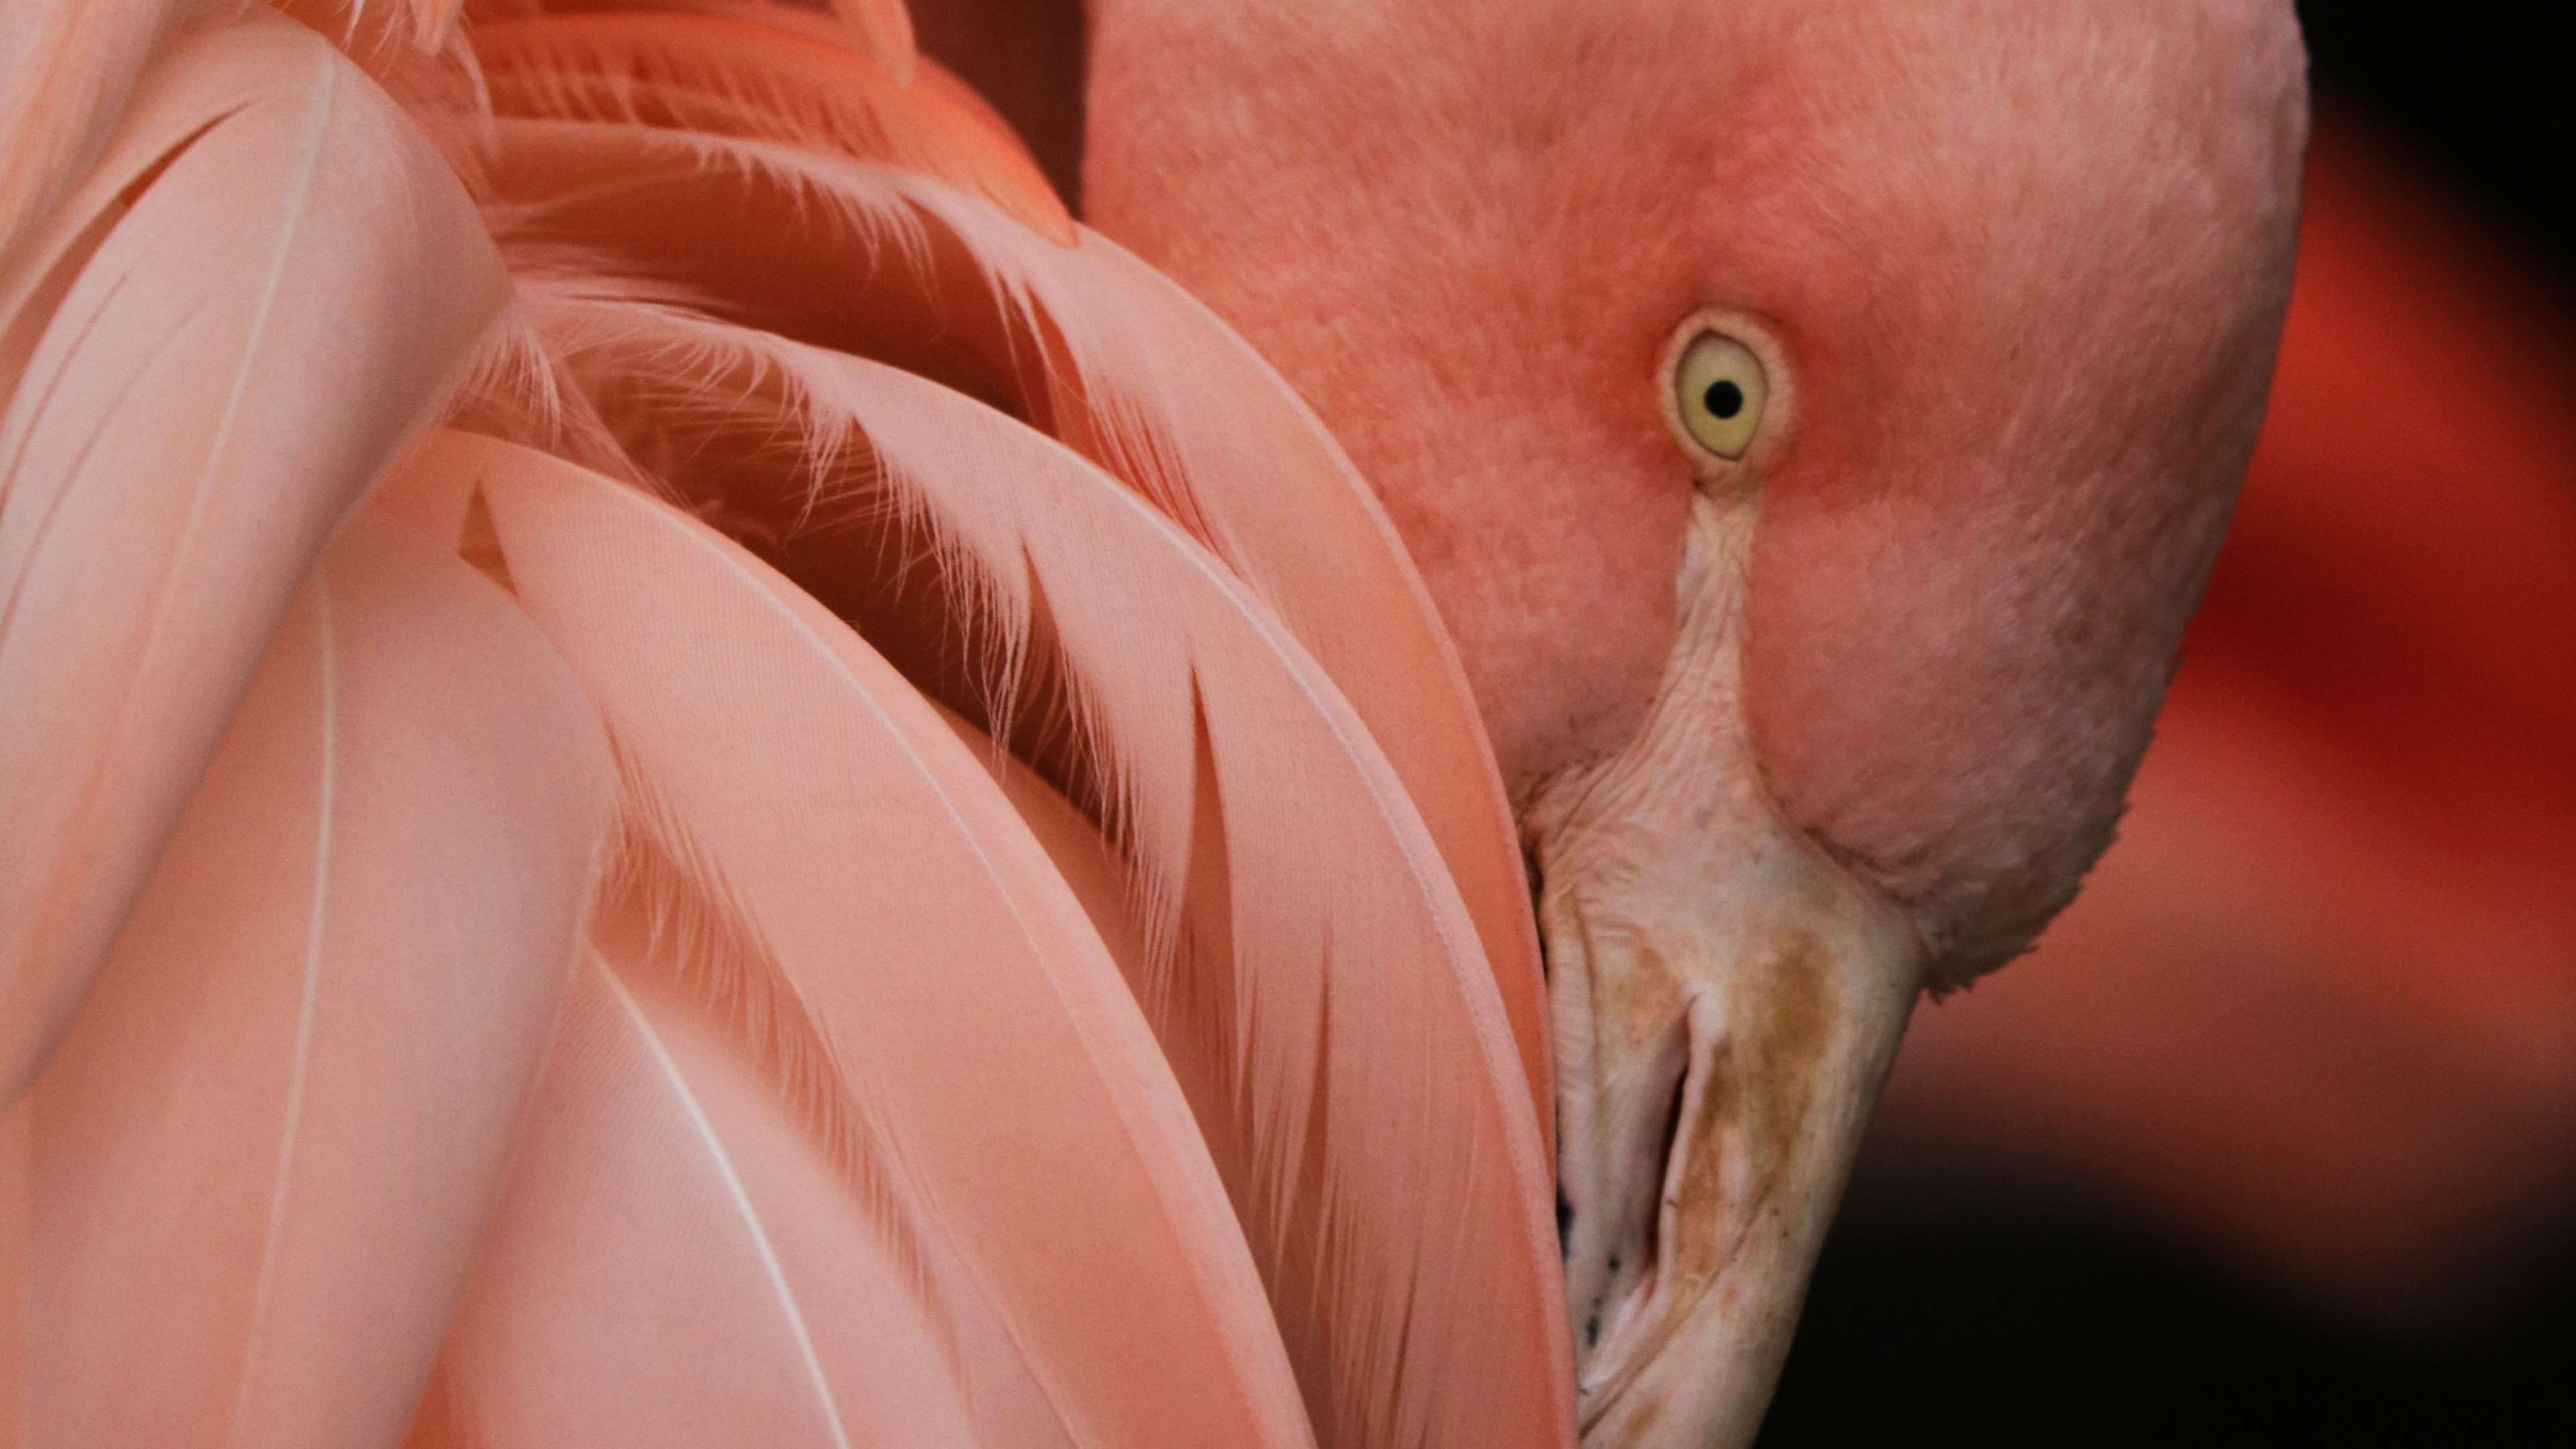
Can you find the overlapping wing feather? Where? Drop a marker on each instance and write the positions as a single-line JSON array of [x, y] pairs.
[[879, 31], [265, 1150], [65, 77], [1310, 971], [753, 72], [678, 1265], [266, 286], [853, 1130], [1086, 343], [921, 985]]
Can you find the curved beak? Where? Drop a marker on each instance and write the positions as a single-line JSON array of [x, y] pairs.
[[1726, 1003]]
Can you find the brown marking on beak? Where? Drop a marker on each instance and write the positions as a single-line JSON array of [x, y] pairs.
[[1648, 1001], [1762, 1087]]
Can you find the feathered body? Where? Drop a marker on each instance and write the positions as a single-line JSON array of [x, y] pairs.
[[853, 1123]]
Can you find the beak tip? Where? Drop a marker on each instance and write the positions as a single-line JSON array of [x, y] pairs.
[[1712, 1173]]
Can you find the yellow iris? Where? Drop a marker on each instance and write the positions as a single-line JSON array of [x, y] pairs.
[[1721, 390]]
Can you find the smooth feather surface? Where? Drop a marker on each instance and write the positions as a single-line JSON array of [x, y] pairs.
[[238, 360], [971, 1022], [266, 1149], [1090, 345], [64, 78], [17, 1146], [194, 85], [1309, 968], [677, 1264]]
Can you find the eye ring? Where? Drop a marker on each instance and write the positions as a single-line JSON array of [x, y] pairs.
[[1723, 389]]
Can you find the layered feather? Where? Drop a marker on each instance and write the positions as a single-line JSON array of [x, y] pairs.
[[853, 1131], [287, 284], [1090, 345], [878, 30], [680, 1263], [921, 976], [268, 1144], [375, 32], [746, 72], [64, 79], [1307, 964]]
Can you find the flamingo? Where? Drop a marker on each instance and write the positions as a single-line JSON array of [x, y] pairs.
[[683, 768]]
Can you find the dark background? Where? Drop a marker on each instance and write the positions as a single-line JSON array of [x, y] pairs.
[[2026, 1314], [2478, 91]]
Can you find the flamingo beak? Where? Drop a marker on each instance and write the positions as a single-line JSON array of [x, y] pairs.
[[1726, 1002], [1719, 1063]]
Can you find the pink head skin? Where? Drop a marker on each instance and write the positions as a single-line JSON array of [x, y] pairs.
[[1796, 735]]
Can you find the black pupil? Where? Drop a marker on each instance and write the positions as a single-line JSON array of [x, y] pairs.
[[1724, 399]]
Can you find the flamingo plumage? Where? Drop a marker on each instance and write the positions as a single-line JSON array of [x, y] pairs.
[[683, 768]]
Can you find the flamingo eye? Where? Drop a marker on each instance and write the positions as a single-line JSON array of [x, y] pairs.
[[1720, 391]]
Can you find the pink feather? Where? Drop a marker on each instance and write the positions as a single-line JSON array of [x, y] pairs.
[[955, 1005], [1310, 971], [65, 78], [739, 72], [292, 293], [879, 30], [1086, 343], [898, 1097], [677, 1263], [302, 1065]]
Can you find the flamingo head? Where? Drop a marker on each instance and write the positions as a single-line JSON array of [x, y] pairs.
[[1815, 420]]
